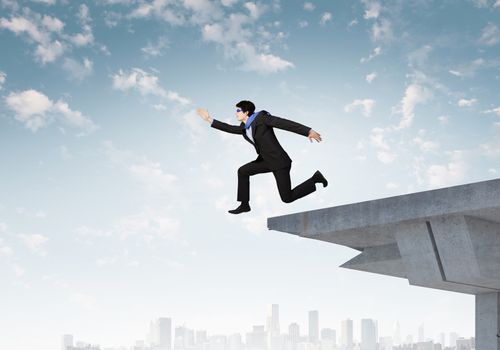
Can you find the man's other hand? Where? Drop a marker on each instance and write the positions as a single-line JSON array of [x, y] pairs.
[[313, 135]]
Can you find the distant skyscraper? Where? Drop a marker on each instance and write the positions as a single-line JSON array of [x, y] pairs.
[[274, 318], [441, 339], [67, 341], [313, 326], [421, 334], [294, 333], [397, 335], [346, 338], [368, 334], [274, 341], [453, 339], [164, 333]]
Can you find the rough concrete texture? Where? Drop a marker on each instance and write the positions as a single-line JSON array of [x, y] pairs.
[[447, 238]]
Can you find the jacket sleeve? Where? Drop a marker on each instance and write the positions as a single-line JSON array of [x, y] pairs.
[[286, 124], [233, 129]]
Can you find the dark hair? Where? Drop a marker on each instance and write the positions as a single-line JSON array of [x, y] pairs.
[[246, 106]]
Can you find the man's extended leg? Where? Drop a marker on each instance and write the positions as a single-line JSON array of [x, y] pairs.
[[244, 173], [288, 194]]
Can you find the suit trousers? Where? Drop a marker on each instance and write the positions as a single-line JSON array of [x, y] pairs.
[[282, 177]]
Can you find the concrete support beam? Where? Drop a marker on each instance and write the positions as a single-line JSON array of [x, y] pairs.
[[488, 321]]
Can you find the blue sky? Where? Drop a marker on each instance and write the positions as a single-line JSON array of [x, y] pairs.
[[114, 193]]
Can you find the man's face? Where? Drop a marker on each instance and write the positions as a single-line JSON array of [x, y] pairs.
[[240, 115]]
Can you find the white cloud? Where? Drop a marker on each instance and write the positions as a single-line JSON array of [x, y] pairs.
[[377, 51], [155, 50], [366, 106], [76, 70], [228, 3], [20, 25], [152, 176], [31, 108], [497, 3], [236, 41], [448, 174], [382, 30], [3, 77], [480, 3], [386, 157], [443, 119], [35, 110], [414, 94], [309, 6], [372, 9], [494, 111], [256, 10], [370, 77], [392, 186], [35, 243], [86, 231], [466, 103], [377, 139], [46, 50], [146, 84], [46, 2], [52, 23], [303, 24], [148, 224], [326, 17], [261, 62], [425, 145], [384, 152], [490, 35], [49, 52]]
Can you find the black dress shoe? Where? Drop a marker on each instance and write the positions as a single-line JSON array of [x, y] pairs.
[[318, 177], [243, 208]]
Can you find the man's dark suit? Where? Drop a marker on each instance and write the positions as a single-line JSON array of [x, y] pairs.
[[271, 156]]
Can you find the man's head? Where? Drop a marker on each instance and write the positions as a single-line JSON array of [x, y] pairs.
[[245, 109]]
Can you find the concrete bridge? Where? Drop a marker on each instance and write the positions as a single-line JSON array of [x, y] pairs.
[[446, 239]]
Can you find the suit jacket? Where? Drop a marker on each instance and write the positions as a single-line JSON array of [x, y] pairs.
[[265, 142]]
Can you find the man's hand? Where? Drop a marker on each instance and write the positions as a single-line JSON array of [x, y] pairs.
[[203, 113], [313, 135]]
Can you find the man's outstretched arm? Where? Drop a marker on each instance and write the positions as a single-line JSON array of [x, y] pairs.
[[214, 123], [289, 125]]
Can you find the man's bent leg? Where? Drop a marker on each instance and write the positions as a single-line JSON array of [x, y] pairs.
[[244, 173], [288, 194]]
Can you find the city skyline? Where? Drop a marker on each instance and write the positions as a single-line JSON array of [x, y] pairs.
[[163, 334]]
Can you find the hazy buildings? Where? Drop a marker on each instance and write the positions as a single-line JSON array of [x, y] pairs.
[[369, 336], [67, 341], [346, 335], [274, 340], [256, 339], [386, 343], [313, 326], [164, 332]]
